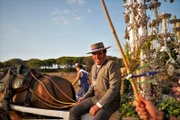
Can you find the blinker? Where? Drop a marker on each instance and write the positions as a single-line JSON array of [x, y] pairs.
[[1, 87]]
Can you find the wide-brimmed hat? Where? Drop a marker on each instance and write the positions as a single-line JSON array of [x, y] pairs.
[[97, 47]]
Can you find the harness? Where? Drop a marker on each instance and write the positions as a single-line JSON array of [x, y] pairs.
[[14, 80], [18, 79]]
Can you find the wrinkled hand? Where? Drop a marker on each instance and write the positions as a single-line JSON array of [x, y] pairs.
[[93, 110], [145, 109]]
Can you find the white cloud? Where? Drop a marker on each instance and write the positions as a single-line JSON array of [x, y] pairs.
[[80, 2], [63, 18], [77, 18], [59, 12], [89, 11], [71, 1], [59, 16], [66, 16], [56, 19], [60, 19], [66, 21], [56, 12], [66, 11]]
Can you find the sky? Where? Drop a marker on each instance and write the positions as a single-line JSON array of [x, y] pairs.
[[45, 29]]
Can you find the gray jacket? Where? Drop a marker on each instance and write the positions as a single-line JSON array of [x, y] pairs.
[[107, 83]]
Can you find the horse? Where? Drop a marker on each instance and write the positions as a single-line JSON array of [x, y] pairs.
[[26, 87]]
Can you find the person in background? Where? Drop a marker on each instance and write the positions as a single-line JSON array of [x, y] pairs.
[[82, 76], [103, 96], [147, 111]]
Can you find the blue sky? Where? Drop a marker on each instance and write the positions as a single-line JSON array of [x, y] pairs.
[[46, 29]]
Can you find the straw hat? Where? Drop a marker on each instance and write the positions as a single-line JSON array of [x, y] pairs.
[[97, 47]]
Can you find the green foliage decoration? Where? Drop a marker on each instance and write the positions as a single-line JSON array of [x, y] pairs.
[[171, 105], [126, 108]]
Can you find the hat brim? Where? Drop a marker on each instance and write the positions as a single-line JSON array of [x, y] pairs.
[[98, 50]]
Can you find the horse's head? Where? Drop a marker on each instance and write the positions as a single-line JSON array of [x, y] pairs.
[[12, 79]]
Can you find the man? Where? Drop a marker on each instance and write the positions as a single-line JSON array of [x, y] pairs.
[[82, 76], [103, 97]]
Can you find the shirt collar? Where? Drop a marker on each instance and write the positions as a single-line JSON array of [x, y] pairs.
[[98, 66]]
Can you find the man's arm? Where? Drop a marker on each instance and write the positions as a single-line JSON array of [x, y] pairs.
[[89, 93]]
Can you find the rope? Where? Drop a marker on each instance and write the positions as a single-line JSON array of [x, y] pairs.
[[68, 104], [50, 94], [59, 88], [47, 104]]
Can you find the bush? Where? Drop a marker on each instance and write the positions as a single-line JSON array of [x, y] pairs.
[[171, 105]]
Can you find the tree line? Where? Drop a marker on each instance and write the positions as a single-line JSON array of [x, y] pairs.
[[65, 63]]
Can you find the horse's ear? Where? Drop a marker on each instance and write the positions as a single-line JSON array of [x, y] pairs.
[[19, 68], [22, 64]]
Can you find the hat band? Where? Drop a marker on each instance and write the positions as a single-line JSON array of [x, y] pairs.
[[95, 49]]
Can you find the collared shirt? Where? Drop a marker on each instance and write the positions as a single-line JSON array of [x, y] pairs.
[[99, 105]]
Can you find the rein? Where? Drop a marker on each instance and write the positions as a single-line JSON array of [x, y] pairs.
[[56, 87], [41, 99]]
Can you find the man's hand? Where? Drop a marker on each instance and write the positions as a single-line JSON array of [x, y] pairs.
[[81, 99], [93, 110], [146, 109]]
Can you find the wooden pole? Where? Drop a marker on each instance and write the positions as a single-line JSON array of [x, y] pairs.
[[120, 49]]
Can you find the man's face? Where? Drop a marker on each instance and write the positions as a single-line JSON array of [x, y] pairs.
[[98, 57]]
